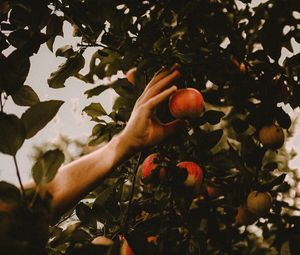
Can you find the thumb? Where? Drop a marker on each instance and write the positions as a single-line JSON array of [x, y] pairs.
[[175, 126]]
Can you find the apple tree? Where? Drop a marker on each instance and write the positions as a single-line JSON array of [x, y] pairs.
[[222, 186]]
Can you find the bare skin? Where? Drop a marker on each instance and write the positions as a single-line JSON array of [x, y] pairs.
[[75, 180]]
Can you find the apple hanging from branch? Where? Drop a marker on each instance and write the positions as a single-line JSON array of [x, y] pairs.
[[186, 103]]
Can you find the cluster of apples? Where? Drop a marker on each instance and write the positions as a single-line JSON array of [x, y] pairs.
[[258, 204], [194, 176]]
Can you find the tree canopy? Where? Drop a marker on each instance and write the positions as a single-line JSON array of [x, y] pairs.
[[231, 52]]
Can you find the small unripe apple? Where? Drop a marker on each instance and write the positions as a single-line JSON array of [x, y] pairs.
[[271, 136], [195, 174], [130, 75], [259, 203], [102, 240], [186, 103], [149, 165], [244, 216]]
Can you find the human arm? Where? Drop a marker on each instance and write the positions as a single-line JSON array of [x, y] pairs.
[[75, 180]]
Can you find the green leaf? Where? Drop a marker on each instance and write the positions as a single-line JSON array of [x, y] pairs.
[[213, 117], [212, 138], [103, 197], [96, 91], [45, 169], [12, 133], [70, 68], [14, 71], [25, 96], [239, 125], [54, 28], [283, 118], [38, 116], [19, 37], [95, 110]]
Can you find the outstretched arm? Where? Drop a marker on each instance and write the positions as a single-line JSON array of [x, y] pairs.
[[73, 181]]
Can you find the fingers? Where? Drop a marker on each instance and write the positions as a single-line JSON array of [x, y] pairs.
[[162, 73], [157, 77], [174, 126], [159, 86], [156, 100]]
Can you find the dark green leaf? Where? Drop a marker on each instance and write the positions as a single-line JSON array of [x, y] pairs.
[[38, 116], [18, 38], [96, 91], [12, 134], [212, 138], [54, 28], [103, 197], [283, 118], [277, 181], [239, 125], [70, 68], [84, 212], [95, 110], [213, 117], [25, 96], [14, 71], [45, 169]]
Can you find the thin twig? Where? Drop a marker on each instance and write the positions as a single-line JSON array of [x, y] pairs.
[[99, 45], [19, 176], [34, 197], [132, 190]]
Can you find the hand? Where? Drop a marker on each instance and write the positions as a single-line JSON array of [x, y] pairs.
[[143, 128]]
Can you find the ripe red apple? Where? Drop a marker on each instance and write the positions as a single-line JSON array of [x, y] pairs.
[[271, 136], [244, 216], [213, 191], [130, 75], [186, 103], [149, 165], [259, 203], [195, 174]]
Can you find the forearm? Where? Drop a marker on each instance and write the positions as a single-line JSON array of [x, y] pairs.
[[75, 180]]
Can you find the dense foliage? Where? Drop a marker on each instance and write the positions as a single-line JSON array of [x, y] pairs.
[[232, 54]]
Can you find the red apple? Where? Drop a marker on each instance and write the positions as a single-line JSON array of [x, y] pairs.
[[149, 165], [195, 174], [259, 203], [244, 216], [186, 103], [213, 191], [271, 136], [130, 75]]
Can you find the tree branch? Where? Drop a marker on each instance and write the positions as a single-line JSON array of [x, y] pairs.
[[19, 176]]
